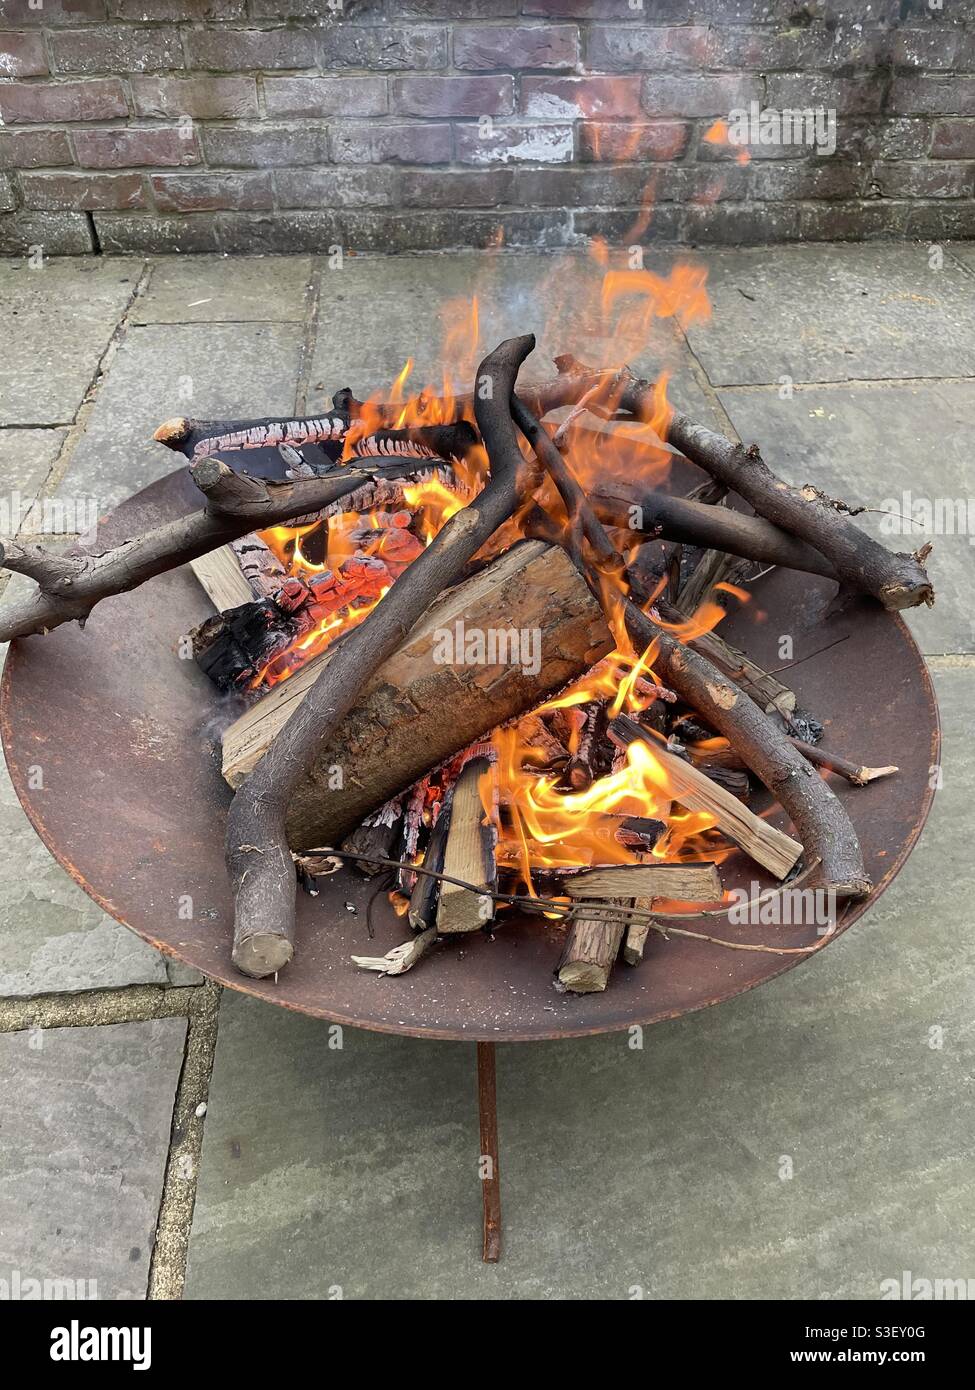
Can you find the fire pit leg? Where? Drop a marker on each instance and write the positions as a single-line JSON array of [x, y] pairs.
[[490, 1173]]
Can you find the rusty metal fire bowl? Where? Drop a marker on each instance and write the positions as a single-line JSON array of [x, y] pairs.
[[133, 806]]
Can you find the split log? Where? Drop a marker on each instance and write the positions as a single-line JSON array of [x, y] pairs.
[[634, 943], [259, 565], [469, 852], [398, 729], [593, 942], [259, 862], [768, 846], [590, 950], [70, 585], [221, 580], [693, 883]]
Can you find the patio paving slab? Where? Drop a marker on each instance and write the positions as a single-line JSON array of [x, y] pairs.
[[890, 447], [834, 313], [85, 1118], [58, 321], [806, 1140], [217, 371], [223, 289], [53, 937], [26, 458]]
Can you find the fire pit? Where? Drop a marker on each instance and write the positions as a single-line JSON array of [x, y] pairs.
[[549, 814]]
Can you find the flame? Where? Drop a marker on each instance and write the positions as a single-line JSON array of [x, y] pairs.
[[616, 304]]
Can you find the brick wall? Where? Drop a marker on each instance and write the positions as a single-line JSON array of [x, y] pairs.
[[291, 125]]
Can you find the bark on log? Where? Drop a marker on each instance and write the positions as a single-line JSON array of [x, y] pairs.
[[398, 729], [259, 862], [69, 586]]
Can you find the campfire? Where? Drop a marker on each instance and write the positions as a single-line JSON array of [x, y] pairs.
[[471, 645]]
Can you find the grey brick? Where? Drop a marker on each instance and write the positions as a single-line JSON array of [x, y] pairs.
[[325, 96], [452, 96], [539, 142], [516, 46], [210, 192], [568, 98], [116, 49], [628, 47], [698, 96], [936, 96], [265, 146], [335, 188], [916, 179], [241, 50], [383, 48], [60, 233], [393, 144]]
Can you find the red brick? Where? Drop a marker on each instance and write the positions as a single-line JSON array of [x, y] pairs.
[[117, 48], [207, 98], [391, 144], [325, 96], [22, 55], [41, 103], [238, 50], [34, 149], [265, 146], [82, 192], [132, 147], [515, 142], [212, 192], [452, 96], [953, 140], [629, 47], [620, 141], [516, 46], [567, 98], [934, 47]]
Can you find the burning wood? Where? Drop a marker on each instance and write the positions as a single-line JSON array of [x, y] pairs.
[[346, 553]]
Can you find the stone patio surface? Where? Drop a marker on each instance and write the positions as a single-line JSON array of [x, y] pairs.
[[807, 1140]]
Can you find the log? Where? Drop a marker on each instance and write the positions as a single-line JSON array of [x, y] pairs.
[[693, 883], [259, 862], [897, 579], [855, 774], [70, 585], [590, 951], [469, 851], [631, 507], [767, 845], [398, 730], [401, 958], [221, 579], [593, 942], [634, 943]]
